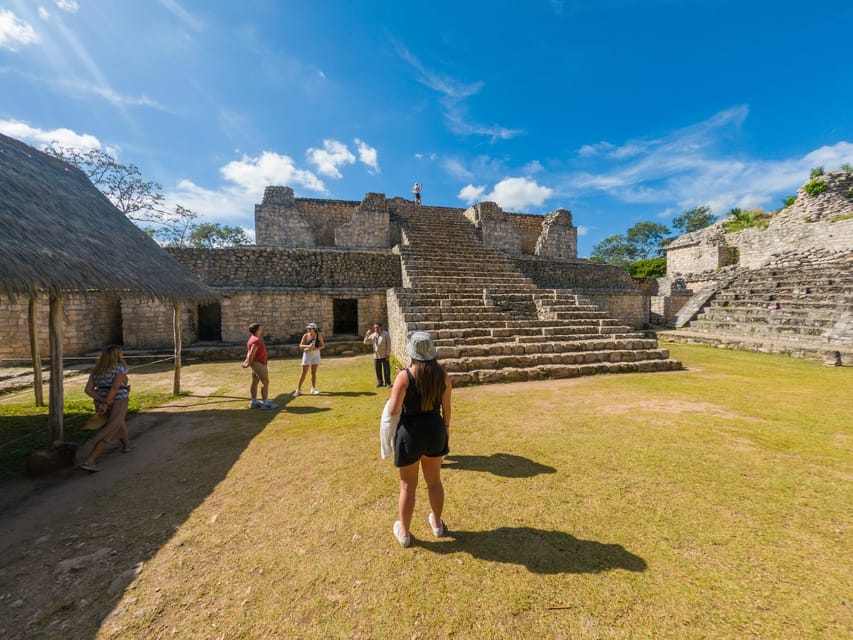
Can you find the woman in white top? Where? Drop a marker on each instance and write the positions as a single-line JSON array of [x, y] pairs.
[[311, 344]]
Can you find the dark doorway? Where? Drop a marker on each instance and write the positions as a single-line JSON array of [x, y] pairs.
[[210, 322], [345, 313]]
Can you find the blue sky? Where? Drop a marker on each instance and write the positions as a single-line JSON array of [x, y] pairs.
[[619, 110]]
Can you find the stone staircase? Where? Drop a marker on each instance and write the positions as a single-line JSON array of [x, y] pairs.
[[490, 322], [802, 310]]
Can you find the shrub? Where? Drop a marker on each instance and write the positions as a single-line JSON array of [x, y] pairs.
[[816, 172], [814, 187], [846, 216], [847, 167], [787, 202], [650, 268]]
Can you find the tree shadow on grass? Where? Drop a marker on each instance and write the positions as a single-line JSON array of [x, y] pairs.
[[547, 552], [501, 464]]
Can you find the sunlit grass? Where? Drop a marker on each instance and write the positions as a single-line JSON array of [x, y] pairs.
[[710, 503]]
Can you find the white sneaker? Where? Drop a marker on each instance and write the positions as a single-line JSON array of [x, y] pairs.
[[297, 393], [315, 392]]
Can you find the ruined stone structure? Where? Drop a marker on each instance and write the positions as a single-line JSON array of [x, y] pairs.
[[503, 293], [786, 287]]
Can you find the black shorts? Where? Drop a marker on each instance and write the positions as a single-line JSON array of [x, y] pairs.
[[422, 435]]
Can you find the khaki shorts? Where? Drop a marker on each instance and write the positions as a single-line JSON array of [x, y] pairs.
[[261, 372]]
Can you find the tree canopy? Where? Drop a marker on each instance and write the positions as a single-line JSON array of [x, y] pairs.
[[694, 219], [143, 201]]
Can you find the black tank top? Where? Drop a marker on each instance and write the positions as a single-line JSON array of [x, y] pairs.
[[412, 399]]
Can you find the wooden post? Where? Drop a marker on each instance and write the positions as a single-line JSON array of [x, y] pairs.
[[57, 396], [35, 356], [176, 332]]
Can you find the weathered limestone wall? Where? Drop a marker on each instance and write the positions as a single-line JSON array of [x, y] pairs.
[[147, 323], [284, 289], [607, 286], [558, 237], [814, 224], [91, 321], [284, 315], [239, 269], [574, 274], [369, 227], [325, 216], [279, 223], [529, 228], [497, 230]]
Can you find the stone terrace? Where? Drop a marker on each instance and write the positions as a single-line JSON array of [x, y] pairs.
[[793, 307], [490, 322]]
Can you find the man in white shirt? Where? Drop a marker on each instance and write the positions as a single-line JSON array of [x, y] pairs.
[[381, 353]]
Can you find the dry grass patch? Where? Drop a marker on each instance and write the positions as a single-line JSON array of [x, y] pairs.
[[708, 504]]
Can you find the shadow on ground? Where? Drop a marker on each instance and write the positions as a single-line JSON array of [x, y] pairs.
[[547, 552], [500, 464], [73, 534]]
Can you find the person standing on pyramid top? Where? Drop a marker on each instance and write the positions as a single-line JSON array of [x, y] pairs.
[[417, 191]]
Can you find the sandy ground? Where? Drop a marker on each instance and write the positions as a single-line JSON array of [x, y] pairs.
[[64, 538]]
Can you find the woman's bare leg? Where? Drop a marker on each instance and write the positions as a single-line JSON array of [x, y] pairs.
[[314, 376], [302, 377], [408, 486], [432, 477]]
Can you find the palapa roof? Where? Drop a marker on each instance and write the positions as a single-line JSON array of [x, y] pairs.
[[58, 232]]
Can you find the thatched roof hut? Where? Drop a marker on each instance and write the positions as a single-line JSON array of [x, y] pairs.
[[59, 233]]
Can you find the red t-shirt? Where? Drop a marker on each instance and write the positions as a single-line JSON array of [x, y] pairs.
[[260, 352]]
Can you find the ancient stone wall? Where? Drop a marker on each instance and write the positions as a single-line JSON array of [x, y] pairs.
[[240, 269], [148, 324], [607, 286], [574, 274], [558, 237], [284, 315], [529, 228], [496, 229], [90, 322], [369, 226], [813, 224]]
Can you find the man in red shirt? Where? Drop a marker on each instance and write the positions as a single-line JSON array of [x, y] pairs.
[[256, 358]]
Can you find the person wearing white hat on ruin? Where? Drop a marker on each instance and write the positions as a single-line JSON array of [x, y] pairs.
[[311, 344], [421, 393]]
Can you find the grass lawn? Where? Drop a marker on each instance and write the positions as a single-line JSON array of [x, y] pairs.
[[709, 503]]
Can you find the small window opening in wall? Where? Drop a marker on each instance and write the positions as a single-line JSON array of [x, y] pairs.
[[345, 316], [210, 322]]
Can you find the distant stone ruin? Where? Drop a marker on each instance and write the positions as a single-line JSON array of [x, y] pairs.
[[786, 287]]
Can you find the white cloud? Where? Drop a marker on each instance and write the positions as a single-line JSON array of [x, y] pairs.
[[368, 155], [14, 32], [453, 94], [687, 168], [333, 155], [182, 14], [246, 180], [582, 230], [456, 169], [68, 5], [254, 174], [471, 194], [43, 13], [509, 193], [533, 167], [44, 137]]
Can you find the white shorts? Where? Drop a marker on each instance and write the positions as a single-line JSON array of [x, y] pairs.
[[310, 357]]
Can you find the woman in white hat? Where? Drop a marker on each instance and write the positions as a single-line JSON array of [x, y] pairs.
[[311, 344], [422, 393]]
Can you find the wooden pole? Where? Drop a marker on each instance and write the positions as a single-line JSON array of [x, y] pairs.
[[35, 356], [176, 332], [57, 397]]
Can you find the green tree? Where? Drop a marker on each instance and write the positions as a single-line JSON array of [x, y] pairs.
[[647, 239], [212, 235], [176, 228], [694, 219]]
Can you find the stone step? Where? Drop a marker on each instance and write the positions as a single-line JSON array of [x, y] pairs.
[[539, 359], [557, 371], [754, 328], [769, 316], [536, 349]]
